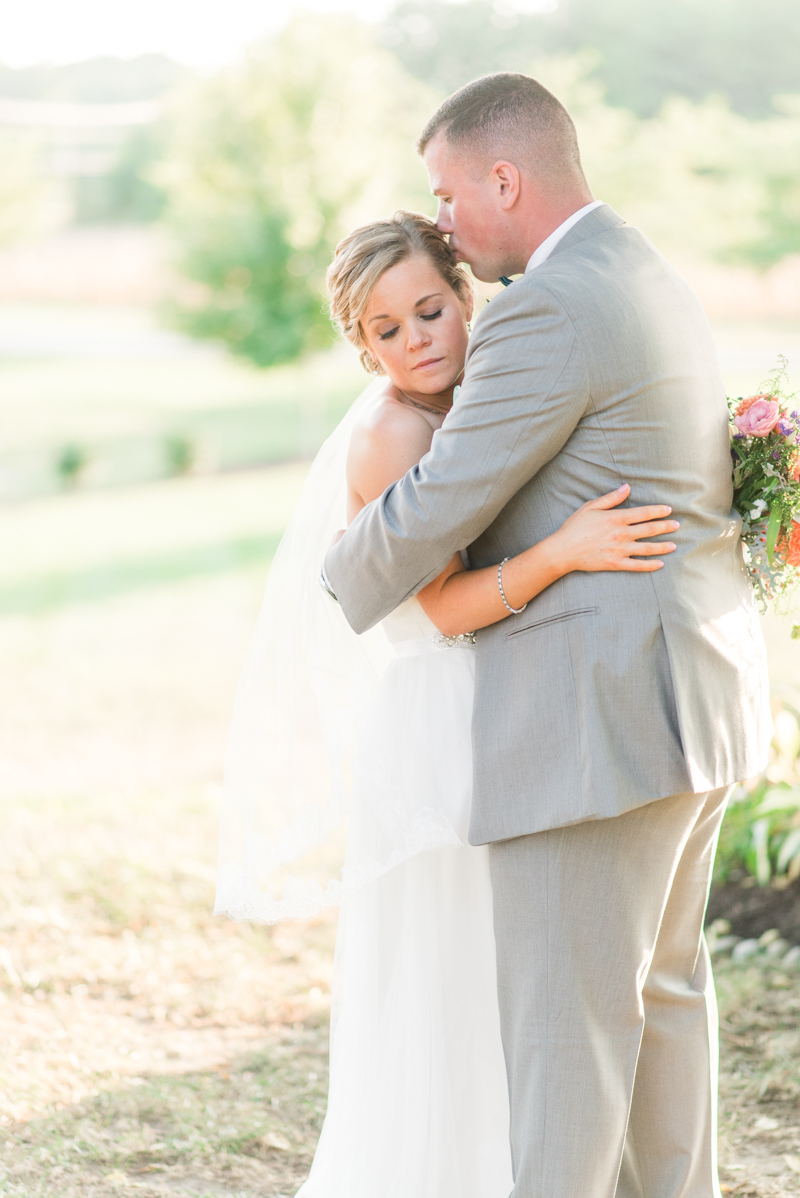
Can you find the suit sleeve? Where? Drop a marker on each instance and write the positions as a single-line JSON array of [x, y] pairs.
[[524, 392]]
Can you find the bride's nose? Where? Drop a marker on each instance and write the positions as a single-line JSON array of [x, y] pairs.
[[418, 336]]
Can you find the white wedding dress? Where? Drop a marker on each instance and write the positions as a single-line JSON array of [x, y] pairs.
[[418, 1104], [348, 783]]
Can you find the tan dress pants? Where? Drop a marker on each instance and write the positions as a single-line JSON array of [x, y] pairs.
[[607, 1003]]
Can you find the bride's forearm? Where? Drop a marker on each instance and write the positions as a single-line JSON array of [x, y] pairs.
[[600, 535], [464, 600]]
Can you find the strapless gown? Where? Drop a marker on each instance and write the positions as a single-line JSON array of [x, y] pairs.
[[418, 1103]]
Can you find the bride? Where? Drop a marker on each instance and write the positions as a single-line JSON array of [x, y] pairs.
[[375, 730]]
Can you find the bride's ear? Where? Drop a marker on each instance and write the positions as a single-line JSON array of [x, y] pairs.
[[469, 305]]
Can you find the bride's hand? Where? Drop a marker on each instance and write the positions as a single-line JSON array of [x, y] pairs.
[[597, 537]]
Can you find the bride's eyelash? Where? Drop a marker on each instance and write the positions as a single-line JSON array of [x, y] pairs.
[[426, 316]]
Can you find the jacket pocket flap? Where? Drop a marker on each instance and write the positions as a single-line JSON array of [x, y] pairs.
[[556, 619]]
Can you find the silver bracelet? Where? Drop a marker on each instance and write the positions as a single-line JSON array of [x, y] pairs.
[[514, 610]]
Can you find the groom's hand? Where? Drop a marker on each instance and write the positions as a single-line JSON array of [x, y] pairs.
[[597, 537]]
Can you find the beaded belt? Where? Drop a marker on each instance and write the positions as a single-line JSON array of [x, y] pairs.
[[433, 644]]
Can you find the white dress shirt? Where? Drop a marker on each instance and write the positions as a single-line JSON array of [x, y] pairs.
[[549, 244]]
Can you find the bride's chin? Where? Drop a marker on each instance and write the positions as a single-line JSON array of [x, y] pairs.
[[438, 386]]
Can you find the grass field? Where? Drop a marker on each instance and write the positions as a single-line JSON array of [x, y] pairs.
[[144, 1045]]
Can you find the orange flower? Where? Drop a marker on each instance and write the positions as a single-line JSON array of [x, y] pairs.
[[748, 403], [790, 549]]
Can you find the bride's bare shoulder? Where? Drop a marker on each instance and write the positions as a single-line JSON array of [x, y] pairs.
[[389, 438], [390, 425]]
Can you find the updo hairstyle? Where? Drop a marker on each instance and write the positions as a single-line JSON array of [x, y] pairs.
[[367, 253]]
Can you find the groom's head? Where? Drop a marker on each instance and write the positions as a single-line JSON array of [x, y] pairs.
[[502, 157]]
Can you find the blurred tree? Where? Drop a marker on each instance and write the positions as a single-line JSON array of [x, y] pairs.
[[646, 50], [101, 80], [125, 194], [700, 180], [652, 49], [269, 163], [23, 197], [448, 44]]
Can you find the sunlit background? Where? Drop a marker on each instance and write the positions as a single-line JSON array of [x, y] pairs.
[[173, 179]]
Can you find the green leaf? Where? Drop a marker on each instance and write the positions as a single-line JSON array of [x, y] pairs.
[[779, 798], [773, 528], [789, 850]]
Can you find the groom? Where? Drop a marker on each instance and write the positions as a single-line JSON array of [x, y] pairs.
[[614, 715]]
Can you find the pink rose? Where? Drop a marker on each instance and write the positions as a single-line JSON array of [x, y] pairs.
[[759, 419]]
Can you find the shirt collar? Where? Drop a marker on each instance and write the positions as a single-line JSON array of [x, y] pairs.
[[542, 252]]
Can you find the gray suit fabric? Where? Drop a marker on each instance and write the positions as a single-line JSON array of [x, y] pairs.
[[607, 1003], [612, 689]]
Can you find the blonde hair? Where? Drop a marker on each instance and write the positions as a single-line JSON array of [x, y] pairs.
[[367, 253]]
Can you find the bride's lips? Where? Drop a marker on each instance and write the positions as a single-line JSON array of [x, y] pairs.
[[427, 362]]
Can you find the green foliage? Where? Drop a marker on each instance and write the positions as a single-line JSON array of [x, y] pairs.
[[644, 50], [21, 189], [71, 464], [761, 831], [446, 45], [269, 163], [100, 80], [698, 179], [125, 194]]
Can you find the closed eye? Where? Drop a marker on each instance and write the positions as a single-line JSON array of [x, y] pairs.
[[431, 315], [389, 333]]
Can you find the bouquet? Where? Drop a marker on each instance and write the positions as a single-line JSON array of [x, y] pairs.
[[765, 448]]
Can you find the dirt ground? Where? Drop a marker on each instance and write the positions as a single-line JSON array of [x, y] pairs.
[[152, 1048]]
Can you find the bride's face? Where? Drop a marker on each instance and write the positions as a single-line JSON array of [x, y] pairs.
[[416, 327]]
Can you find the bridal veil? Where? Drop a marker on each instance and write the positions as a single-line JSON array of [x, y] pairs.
[[303, 701]]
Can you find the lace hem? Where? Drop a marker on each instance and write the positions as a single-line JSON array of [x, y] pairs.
[[240, 897]]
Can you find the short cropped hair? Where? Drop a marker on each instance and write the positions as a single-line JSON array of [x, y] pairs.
[[367, 253], [509, 115]]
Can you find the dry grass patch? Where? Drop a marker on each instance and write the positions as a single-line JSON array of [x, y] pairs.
[[759, 1079], [147, 1044]]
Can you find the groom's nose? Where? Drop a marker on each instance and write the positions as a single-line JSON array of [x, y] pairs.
[[444, 221]]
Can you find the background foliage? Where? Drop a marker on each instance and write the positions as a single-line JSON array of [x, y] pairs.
[[270, 163], [643, 51], [688, 113]]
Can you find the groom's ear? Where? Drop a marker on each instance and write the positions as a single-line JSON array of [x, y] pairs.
[[505, 179]]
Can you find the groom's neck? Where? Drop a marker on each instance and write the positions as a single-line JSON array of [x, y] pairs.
[[539, 217]]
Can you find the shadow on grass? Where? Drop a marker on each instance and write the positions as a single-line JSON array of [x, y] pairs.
[[246, 1128], [43, 593]]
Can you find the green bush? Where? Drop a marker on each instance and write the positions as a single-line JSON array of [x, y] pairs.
[[268, 164], [760, 834], [701, 181], [644, 51]]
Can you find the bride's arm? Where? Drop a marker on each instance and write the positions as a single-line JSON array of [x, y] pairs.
[[596, 537]]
